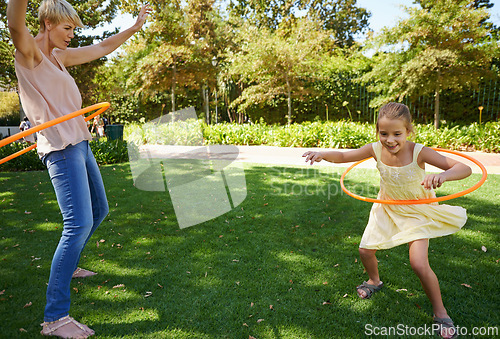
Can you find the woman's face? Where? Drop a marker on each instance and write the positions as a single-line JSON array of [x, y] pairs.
[[60, 35]]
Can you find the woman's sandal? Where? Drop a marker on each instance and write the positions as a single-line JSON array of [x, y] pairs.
[[445, 324], [50, 328], [369, 289], [82, 273]]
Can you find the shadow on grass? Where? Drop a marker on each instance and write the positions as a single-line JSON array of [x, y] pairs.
[[283, 264]]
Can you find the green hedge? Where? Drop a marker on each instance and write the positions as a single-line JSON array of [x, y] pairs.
[[343, 134], [105, 152], [340, 134]]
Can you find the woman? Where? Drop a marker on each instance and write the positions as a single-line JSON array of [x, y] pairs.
[[47, 91]]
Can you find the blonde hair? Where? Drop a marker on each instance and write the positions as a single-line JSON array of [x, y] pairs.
[[57, 11], [396, 110]]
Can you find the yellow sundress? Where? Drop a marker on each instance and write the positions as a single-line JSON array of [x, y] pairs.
[[393, 225]]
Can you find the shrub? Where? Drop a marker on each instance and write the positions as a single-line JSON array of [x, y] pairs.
[[105, 151], [340, 134], [9, 109]]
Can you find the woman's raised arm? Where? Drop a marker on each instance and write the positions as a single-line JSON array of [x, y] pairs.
[[29, 54], [82, 55]]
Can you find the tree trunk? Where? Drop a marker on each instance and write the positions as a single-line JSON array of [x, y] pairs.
[[289, 94], [436, 100], [436, 109], [174, 82], [205, 103]]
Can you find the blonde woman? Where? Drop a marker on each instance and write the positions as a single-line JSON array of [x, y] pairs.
[[48, 91]]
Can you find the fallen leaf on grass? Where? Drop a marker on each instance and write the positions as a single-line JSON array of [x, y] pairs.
[[245, 324], [484, 248], [28, 305], [327, 303], [22, 330], [75, 289], [259, 321], [148, 294], [402, 289], [119, 285], [345, 295], [466, 285], [2, 292]]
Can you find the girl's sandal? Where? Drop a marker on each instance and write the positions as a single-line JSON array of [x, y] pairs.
[[369, 289], [82, 273], [445, 324], [50, 328]]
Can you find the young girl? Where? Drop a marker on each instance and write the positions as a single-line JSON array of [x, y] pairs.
[[402, 170], [48, 91]]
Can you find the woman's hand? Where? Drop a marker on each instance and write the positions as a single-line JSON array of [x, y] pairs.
[[433, 181], [142, 17]]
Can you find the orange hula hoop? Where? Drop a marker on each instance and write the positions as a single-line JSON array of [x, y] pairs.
[[101, 106], [418, 201]]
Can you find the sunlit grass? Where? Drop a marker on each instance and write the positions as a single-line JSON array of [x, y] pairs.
[[283, 264]]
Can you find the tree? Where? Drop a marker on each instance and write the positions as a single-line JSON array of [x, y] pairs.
[[279, 63], [176, 50], [341, 17], [442, 45]]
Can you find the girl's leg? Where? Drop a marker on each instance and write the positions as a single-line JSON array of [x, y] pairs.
[[419, 261], [370, 263], [420, 264]]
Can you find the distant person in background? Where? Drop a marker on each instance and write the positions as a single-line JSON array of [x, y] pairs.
[[26, 125], [98, 127]]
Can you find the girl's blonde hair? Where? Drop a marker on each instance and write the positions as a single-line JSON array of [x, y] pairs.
[[396, 110], [57, 11]]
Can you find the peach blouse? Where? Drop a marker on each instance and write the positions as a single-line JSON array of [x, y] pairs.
[[48, 92]]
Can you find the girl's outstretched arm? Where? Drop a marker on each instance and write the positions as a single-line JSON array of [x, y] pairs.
[[453, 170], [339, 157], [82, 55]]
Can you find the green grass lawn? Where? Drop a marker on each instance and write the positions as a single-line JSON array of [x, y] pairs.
[[283, 264]]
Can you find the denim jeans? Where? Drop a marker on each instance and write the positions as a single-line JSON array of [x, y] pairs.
[[82, 199]]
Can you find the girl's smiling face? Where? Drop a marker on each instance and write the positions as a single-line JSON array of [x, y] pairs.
[[392, 134]]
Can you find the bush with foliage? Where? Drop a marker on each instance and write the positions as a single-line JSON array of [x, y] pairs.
[[9, 109], [340, 134], [105, 151]]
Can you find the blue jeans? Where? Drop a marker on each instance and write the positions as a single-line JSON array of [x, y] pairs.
[[82, 199]]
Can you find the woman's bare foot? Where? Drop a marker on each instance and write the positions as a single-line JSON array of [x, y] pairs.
[[66, 327], [82, 273]]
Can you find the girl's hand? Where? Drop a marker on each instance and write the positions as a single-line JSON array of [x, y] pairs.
[[143, 15], [313, 156], [433, 181]]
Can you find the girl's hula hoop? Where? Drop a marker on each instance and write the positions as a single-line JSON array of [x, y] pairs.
[[102, 107], [418, 201]]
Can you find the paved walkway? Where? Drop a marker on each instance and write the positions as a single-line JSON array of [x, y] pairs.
[[293, 156]]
